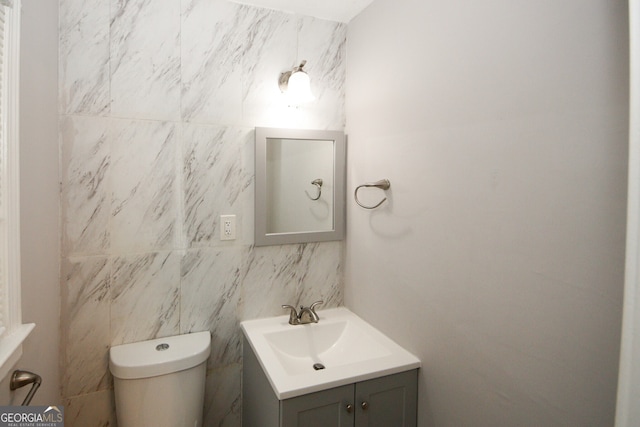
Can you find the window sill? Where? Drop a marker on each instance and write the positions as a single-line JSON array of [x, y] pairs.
[[11, 348]]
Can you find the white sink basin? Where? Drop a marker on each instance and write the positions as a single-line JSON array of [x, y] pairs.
[[350, 350]]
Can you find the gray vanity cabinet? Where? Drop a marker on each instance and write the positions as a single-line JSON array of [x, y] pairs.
[[325, 408], [389, 401]]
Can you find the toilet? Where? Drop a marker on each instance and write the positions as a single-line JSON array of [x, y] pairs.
[[160, 382]]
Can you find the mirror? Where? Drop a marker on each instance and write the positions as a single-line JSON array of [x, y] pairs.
[[300, 185]]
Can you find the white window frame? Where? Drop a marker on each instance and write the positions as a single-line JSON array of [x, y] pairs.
[[15, 332]]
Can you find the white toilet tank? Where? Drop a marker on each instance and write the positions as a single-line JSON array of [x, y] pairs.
[[160, 383]]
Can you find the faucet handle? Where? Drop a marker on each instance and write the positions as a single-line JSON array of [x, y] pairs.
[[293, 314], [313, 306]]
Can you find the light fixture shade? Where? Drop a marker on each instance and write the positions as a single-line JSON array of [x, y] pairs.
[[299, 88], [296, 85]]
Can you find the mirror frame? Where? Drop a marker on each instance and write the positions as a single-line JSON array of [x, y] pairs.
[[262, 238]]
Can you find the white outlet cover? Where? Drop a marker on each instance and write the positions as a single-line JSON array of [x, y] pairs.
[[227, 227]]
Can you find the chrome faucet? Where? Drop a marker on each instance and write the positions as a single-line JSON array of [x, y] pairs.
[[306, 315]]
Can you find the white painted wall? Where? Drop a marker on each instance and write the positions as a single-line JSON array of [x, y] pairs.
[[39, 194], [627, 408], [499, 256]]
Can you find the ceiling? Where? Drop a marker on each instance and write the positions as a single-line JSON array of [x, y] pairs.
[[332, 10]]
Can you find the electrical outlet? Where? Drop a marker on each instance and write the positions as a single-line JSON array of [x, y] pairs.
[[227, 227]]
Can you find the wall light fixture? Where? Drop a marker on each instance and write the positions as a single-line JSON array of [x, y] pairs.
[[296, 85]]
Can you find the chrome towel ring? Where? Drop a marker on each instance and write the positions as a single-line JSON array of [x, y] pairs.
[[383, 184], [318, 184]]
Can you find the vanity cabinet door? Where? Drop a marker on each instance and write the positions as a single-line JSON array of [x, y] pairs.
[[389, 401], [326, 408]]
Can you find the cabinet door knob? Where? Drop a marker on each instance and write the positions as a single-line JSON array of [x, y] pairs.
[[364, 406], [349, 408]]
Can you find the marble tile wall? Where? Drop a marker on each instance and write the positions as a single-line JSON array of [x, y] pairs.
[[158, 101]]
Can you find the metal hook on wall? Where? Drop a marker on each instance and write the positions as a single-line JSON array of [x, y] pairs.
[[318, 184], [383, 184]]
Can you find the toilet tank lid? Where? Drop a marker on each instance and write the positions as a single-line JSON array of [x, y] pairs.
[[159, 356]]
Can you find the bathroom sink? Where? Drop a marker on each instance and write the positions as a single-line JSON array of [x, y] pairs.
[[340, 349]]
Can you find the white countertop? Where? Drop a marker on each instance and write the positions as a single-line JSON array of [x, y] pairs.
[[350, 349]]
